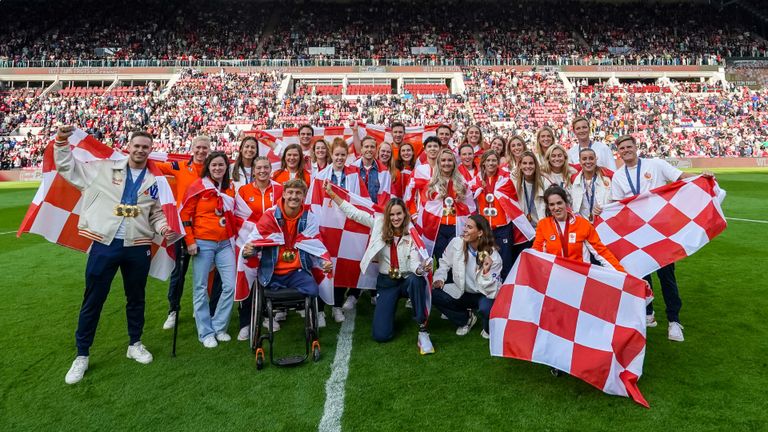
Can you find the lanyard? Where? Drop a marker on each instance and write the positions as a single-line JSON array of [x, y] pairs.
[[590, 195], [528, 200], [563, 238], [131, 191], [637, 179], [248, 177]]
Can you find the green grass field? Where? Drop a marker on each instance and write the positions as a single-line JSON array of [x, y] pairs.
[[715, 380]]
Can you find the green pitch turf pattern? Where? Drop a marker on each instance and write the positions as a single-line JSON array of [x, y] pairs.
[[715, 380]]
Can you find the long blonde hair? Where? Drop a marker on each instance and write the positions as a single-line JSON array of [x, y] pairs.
[[546, 168], [440, 183], [537, 150]]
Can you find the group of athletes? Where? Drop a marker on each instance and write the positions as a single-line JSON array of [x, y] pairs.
[[461, 186]]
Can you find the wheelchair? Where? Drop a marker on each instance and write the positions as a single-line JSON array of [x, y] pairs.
[[266, 303]]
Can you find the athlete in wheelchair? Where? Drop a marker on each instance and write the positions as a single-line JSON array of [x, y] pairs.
[[287, 243]]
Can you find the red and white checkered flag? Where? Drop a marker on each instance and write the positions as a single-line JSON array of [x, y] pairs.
[[345, 239], [661, 226], [55, 210], [583, 319], [285, 137]]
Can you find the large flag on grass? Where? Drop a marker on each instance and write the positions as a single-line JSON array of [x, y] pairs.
[[664, 225], [55, 209], [580, 318]]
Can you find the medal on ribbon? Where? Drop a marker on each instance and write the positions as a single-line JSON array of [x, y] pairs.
[[490, 210], [288, 255], [448, 208]]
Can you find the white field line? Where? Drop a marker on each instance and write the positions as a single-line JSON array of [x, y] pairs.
[[335, 386], [747, 220], [8, 232]]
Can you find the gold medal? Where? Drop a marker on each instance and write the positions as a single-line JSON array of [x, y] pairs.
[[289, 255], [119, 210], [481, 256], [394, 273], [448, 209], [128, 211]]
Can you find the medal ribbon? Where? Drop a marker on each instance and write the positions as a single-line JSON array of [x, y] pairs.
[[528, 199], [590, 195], [394, 261], [131, 191], [629, 179]]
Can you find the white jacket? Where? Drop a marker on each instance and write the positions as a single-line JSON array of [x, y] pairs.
[[602, 193], [453, 259], [407, 253], [102, 184]]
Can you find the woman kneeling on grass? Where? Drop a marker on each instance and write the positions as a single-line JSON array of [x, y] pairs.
[[475, 280], [401, 267]]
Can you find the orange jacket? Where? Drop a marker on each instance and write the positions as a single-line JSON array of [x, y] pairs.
[[184, 174], [257, 201], [501, 217], [200, 219], [582, 238], [290, 229], [281, 176]]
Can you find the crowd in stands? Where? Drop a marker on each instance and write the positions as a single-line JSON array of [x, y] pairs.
[[676, 123], [130, 30], [668, 119], [468, 33]]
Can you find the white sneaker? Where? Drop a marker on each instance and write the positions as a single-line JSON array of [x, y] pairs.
[[675, 332], [349, 303], [485, 335], [210, 342], [425, 344], [321, 320], [275, 324], [338, 314], [223, 337], [443, 316], [139, 353], [650, 320], [281, 316], [170, 322], [463, 330], [244, 333], [77, 370], [408, 304], [373, 300]]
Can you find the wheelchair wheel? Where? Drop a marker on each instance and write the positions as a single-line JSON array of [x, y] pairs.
[[315, 351], [257, 314]]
